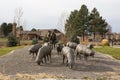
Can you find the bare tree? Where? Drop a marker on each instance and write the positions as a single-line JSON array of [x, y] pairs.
[[18, 16], [62, 21], [17, 19]]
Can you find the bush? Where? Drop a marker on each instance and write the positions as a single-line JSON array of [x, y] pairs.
[[118, 43], [12, 40], [34, 41], [45, 39], [75, 39]]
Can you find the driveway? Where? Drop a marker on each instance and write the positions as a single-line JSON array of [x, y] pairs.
[[19, 61]]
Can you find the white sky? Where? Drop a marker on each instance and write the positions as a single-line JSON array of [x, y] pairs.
[[42, 14]]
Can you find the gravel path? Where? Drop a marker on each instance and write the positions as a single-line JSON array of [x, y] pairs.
[[20, 61]]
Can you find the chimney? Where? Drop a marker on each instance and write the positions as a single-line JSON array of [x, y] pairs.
[[14, 29]]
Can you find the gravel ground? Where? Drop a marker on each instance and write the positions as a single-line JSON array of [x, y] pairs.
[[101, 66]]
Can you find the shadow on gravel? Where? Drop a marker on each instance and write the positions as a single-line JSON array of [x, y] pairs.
[[52, 65], [92, 68], [112, 63], [94, 65]]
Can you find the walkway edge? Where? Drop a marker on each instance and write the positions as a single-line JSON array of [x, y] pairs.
[[8, 53]]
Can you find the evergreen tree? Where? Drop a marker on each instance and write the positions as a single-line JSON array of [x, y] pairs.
[[97, 25], [75, 39], [12, 40], [94, 22], [82, 21], [102, 29], [9, 28], [33, 29], [77, 23], [70, 26], [6, 29]]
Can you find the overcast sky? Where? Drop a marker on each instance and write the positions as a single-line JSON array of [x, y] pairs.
[[42, 14]]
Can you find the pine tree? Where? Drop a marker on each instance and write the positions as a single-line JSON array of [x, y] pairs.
[[97, 25], [82, 21], [94, 22], [70, 26]]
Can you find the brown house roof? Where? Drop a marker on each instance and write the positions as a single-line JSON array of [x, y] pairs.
[[42, 32], [45, 31], [30, 32]]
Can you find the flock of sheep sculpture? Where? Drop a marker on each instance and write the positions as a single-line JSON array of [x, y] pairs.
[[70, 52]]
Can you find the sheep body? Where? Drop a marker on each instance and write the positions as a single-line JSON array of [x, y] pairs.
[[68, 53], [59, 48], [71, 45], [44, 51], [34, 49], [83, 50]]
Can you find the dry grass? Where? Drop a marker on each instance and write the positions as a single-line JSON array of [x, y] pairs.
[[3, 39], [26, 42], [4, 77], [109, 76], [29, 76]]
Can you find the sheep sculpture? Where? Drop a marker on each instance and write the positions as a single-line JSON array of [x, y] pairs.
[[68, 53], [90, 46], [59, 48], [43, 53], [83, 50], [71, 45], [34, 49]]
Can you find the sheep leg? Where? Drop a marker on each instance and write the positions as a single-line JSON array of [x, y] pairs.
[[45, 59], [80, 56], [36, 53], [53, 45], [42, 61], [38, 62], [33, 55], [67, 62], [49, 57], [63, 59], [85, 56], [77, 55]]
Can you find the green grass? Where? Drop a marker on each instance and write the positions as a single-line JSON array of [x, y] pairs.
[[115, 52], [6, 50]]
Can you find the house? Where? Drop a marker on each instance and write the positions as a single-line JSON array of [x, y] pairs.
[[40, 33], [45, 31], [28, 35]]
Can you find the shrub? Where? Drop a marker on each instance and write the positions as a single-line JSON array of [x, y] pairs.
[[45, 39], [105, 42], [75, 39], [34, 41], [12, 40], [118, 43]]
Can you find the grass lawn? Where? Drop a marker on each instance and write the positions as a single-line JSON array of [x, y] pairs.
[[115, 52], [6, 50]]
